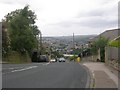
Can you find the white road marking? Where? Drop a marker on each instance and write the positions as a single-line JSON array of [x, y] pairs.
[[24, 69]]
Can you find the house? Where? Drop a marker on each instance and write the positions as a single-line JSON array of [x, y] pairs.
[[108, 34], [111, 52]]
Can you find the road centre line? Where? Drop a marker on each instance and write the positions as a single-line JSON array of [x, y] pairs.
[[18, 69], [24, 69]]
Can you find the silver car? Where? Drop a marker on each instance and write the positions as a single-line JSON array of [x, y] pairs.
[[62, 60]]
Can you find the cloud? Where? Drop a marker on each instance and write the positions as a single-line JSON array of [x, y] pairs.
[[91, 21], [14, 2], [11, 5], [63, 17]]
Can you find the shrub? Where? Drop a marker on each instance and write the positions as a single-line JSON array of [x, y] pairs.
[[114, 43]]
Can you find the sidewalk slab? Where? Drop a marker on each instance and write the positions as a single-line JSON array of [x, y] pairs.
[[103, 80], [103, 76]]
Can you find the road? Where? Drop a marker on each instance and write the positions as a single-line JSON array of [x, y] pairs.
[[45, 75]]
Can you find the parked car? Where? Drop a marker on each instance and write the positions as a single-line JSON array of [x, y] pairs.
[[43, 58], [62, 60], [37, 57]]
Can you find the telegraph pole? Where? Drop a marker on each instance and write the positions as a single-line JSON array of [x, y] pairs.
[[40, 37], [73, 42]]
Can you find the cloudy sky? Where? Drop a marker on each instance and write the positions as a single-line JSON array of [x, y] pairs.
[[65, 17]]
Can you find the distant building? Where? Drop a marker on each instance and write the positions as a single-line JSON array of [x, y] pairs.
[[108, 34], [111, 53]]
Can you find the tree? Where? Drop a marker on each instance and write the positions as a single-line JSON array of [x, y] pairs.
[[5, 39], [100, 43], [22, 30], [56, 54]]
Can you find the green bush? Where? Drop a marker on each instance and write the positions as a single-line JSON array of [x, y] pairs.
[[100, 43], [73, 58], [15, 57], [114, 43]]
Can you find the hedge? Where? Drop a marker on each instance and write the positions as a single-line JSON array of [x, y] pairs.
[[114, 43]]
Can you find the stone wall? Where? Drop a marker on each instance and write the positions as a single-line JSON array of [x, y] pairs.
[[112, 57], [92, 58]]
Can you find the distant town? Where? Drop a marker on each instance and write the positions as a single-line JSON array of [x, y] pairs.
[[66, 44]]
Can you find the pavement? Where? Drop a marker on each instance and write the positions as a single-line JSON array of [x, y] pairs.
[[45, 75], [102, 76]]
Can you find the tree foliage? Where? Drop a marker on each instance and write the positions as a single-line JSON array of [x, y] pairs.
[[100, 43], [5, 40], [22, 30], [73, 57], [56, 54]]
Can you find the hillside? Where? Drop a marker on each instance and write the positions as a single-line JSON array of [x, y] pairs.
[[68, 39]]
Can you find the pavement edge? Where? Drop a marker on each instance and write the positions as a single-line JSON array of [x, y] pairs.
[[91, 79]]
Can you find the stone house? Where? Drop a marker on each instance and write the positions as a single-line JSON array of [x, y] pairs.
[[111, 53], [112, 56], [110, 34]]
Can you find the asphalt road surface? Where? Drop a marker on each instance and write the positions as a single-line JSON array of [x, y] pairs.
[[44, 75]]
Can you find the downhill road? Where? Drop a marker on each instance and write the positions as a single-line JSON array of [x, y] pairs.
[[45, 75]]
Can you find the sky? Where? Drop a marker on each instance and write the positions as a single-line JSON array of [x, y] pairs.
[[65, 17]]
